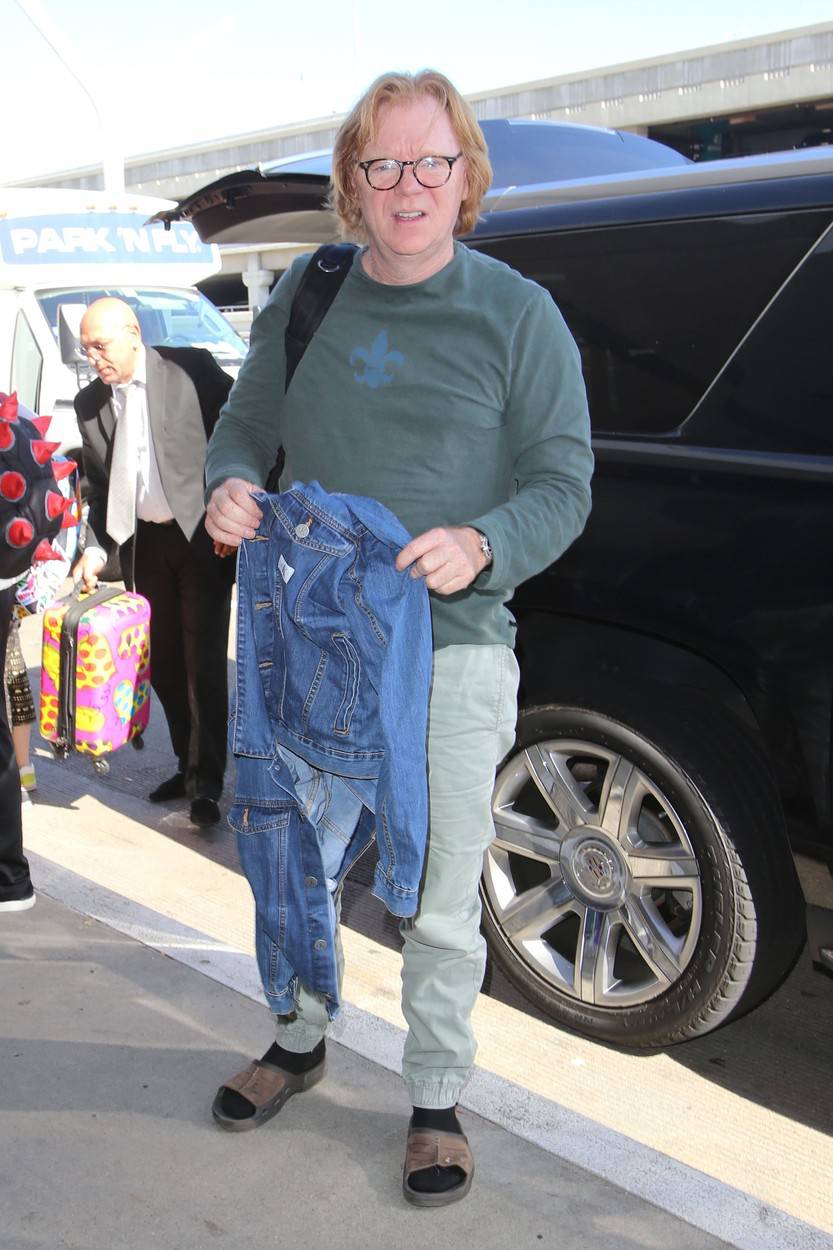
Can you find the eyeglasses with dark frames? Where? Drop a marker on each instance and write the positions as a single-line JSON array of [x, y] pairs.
[[384, 173]]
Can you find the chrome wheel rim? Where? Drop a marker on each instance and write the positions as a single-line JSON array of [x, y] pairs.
[[592, 879]]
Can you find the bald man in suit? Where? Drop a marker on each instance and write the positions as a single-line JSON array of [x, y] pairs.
[[145, 422]]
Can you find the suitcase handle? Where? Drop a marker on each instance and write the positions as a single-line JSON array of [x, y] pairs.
[[79, 602], [79, 593]]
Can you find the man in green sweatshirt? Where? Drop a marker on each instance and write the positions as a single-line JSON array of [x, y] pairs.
[[446, 386]]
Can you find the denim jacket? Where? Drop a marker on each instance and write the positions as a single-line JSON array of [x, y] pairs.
[[334, 661]]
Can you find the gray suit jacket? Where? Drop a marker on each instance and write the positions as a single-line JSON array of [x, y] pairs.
[[185, 390]]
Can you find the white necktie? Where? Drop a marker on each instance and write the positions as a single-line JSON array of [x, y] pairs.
[[124, 470]]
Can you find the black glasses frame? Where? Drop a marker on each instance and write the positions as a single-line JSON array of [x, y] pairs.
[[365, 166]]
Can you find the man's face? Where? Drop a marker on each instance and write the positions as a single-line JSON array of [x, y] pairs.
[[411, 221], [111, 347]]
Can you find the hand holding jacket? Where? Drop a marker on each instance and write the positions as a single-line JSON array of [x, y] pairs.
[[232, 515], [448, 558]]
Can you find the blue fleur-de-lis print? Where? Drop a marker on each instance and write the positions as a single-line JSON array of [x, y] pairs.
[[376, 362]]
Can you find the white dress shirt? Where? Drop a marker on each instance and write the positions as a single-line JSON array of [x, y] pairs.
[[130, 403]]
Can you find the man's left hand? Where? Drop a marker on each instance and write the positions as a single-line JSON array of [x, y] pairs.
[[449, 559]]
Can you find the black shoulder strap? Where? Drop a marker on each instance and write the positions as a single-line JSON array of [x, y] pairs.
[[317, 289]]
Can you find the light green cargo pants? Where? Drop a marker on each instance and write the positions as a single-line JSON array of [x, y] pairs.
[[471, 726]]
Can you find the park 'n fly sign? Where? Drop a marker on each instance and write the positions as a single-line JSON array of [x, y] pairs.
[[84, 238]]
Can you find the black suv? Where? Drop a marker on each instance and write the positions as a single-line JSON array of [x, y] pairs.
[[677, 663]]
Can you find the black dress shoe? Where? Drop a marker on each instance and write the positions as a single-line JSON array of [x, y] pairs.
[[205, 811], [173, 788]]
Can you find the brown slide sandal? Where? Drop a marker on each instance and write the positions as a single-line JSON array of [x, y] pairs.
[[427, 1149], [267, 1088]]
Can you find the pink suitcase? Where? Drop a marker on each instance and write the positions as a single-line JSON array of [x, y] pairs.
[[95, 673]]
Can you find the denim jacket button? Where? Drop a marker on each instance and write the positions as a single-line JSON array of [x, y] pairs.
[[319, 945], [310, 881], [302, 530]]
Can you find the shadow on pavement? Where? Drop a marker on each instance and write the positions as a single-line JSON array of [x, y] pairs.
[[780, 1056], [111, 1059]]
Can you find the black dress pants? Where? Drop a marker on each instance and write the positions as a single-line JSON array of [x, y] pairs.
[[189, 589], [14, 870]]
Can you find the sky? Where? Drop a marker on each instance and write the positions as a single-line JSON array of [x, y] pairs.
[[164, 73]]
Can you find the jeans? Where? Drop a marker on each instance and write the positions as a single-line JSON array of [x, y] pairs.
[[471, 726]]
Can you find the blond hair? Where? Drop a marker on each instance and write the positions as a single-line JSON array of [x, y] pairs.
[[357, 130]]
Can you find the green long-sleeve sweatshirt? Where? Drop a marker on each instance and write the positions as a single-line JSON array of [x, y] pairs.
[[455, 401]]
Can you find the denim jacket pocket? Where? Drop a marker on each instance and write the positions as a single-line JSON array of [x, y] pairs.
[[249, 818]]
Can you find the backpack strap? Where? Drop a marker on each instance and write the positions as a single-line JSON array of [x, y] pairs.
[[316, 291]]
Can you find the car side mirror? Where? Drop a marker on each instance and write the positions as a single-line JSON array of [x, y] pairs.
[[69, 333]]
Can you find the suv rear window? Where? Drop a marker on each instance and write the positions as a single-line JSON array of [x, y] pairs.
[[657, 309], [777, 394]]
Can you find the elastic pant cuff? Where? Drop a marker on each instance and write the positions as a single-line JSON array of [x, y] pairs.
[[296, 1036], [434, 1096]]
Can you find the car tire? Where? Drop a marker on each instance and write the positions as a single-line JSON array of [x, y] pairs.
[[640, 888]]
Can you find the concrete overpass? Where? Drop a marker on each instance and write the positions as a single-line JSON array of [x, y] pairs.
[[791, 69], [766, 93]]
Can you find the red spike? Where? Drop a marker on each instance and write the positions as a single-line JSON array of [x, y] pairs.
[[68, 521], [42, 451], [12, 485], [41, 424], [62, 469], [8, 408], [45, 551], [19, 532], [56, 504], [6, 436]]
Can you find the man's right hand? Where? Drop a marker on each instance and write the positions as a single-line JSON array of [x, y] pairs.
[[232, 514], [88, 568]]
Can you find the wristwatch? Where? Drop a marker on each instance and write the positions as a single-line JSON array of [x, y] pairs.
[[485, 547]]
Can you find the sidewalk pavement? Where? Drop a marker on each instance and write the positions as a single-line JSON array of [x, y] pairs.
[[110, 1055], [105, 1144]]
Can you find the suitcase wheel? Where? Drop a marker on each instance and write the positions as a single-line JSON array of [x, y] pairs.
[[138, 743], [101, 767]]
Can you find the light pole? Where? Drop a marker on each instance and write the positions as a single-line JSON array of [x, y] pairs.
[[112, 156]]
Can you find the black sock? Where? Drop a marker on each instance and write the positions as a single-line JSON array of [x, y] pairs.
[[443, 1119], [237, 1107], [436, 1180], [293, 1061]]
